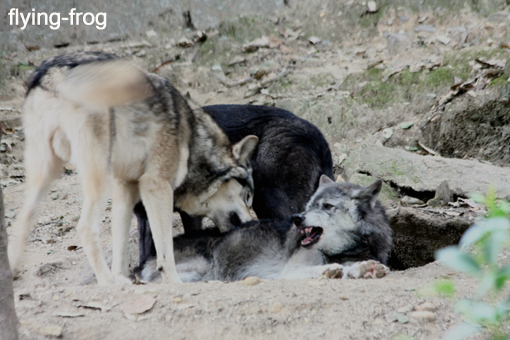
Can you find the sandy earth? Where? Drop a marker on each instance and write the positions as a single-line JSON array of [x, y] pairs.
[[56, 294]]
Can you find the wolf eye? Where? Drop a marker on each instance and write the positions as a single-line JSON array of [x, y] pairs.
[[327, 206]]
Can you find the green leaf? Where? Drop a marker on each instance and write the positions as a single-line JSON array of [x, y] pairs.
[[406, 126], [478, 198], [498, 225], [445, 288], [456, 259], [461, 331], [502, 275]]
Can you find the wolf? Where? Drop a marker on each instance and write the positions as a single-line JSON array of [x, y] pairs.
[[133, 131], [291, 156], [344, 232]]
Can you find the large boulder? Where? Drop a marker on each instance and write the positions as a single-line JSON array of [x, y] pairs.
[[419, 175]]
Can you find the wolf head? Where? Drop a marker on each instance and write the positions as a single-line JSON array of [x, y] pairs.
[[229, 196], [345, 221]]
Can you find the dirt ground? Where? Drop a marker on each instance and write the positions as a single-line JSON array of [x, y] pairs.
[[330, 82]]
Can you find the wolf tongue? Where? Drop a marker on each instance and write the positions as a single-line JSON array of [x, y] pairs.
[[307, 240]]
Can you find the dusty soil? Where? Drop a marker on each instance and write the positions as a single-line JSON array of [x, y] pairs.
[[340, 84]]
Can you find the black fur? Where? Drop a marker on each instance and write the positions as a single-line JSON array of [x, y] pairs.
[[291, 156]]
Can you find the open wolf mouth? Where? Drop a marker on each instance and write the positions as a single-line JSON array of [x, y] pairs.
[[311, 235]]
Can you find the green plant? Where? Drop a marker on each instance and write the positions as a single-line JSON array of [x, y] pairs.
[[477, 255]]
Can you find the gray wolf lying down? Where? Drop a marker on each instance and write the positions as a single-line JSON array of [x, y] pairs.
[[120, 125], [343, 232]]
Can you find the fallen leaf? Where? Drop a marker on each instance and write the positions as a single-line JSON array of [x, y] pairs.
[[402, 318], [138, 306], [406, 126]]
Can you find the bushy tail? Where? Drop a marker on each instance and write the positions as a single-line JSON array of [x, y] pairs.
[[105, 83]]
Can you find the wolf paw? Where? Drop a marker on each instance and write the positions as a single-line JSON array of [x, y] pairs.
[[366, 270], [334, 271]]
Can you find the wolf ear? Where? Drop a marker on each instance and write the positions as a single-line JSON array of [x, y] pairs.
[[243, 150], [325, 180], [369, 194]]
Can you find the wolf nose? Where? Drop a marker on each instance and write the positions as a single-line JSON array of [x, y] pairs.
[[297, 219]]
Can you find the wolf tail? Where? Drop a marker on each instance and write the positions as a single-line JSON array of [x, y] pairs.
[[106, 83]]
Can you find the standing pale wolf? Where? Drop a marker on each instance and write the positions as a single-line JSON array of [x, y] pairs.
[[118, 124]]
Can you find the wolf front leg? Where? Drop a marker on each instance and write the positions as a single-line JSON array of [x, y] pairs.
[[157, 196], [333, 270]]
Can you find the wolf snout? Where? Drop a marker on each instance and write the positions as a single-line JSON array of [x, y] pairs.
[[297, 219]]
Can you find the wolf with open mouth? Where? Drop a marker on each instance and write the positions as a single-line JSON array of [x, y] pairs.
[[343, 233]]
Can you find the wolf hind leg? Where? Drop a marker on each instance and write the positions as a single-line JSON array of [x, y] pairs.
[[42, 168], [95, 180], [157, 197], [125, 195]]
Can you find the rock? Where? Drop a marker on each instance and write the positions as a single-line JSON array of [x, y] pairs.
[[314, 40], [275, 308], [372, 6], [217, 68], [391, 316], [236, 60], [425, 28], [443, 193], [407, 200], [185, 42], [426, 307], [256, 44], [251, 281], [151, 34], [473, 128], [426, 173], [417, 234], [423, 315], [48, 330], [405, 309], [443, 39], [398, 42]]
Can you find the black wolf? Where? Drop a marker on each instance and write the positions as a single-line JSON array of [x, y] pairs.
[[291, 156]]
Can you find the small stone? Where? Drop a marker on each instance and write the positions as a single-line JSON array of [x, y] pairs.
[[423, 315], [405, 309], [55, 197], [387, 133], [185, 42], [151, 33], [391, 316], [407, 200], [177, 300], [372, 6], [425, 28], [251, 281], [217, 68], [378, 321], [343, 297], [75, 218], [314, 40], [443, 39], [275, 308], [236, 60], [426, 306]]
